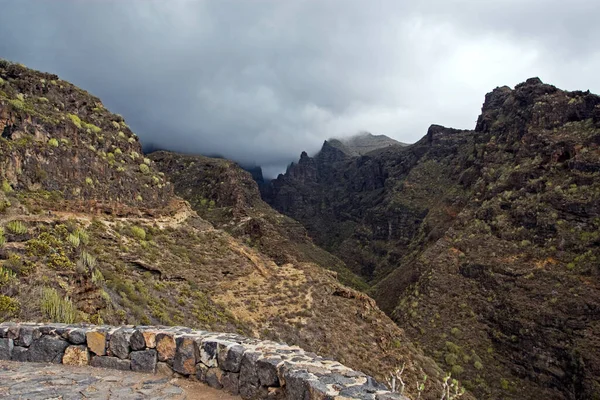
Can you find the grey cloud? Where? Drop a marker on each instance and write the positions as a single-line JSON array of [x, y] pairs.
[[259, 81]]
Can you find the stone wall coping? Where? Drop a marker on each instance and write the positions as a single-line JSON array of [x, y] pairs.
[[250, 368]]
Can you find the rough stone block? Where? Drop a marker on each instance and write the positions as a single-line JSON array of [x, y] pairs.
[[13, 332], [76, 355], [230, 357], [6, 349], [248, 372], [296, 384], [390, 396], [149, 339], [119, 343], [137, 341], [76, 336], [165, 345], [201, 370], [96, 342], [213, 378], [110, 363], [231, 382], [144, 360], [208, 352], [164, 369], [47, 349], [359, 392], [20, 353], [26, 336], [266, 369], [184, 361]]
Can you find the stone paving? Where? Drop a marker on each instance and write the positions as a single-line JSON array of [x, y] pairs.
[[34, 381]]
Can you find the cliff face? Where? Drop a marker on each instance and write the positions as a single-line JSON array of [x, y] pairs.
[[91, 231], [482, 244]]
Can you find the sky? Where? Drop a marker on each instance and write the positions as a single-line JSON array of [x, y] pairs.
[[259, 81]]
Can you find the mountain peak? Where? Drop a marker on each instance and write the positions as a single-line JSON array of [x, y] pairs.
[[362, 143]]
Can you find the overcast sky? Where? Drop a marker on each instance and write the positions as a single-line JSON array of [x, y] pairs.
[[260, 81]]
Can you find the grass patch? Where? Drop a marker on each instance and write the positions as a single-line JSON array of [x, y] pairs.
[[16, 227], [57, 308]]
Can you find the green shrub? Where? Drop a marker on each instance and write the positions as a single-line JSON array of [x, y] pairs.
[[478, 365], [9, 308], [88, 260], [1, 81], [6, 276], [116, 125], [57, 308], [53, 142], [138, 232], [91, 127], [6, 188], [17, 104], [89, 181], [144, 168], [73, 240], [457, 370], [2, 238], [97, 276], [451, 358], [4, 204], [75, 119], [147, 161], [131, 140], [16, 227], [82, 235]]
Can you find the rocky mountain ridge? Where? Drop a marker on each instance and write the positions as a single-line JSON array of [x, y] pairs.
[[483, 244]]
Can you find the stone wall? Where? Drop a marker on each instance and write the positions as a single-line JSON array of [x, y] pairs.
[[252, 368]]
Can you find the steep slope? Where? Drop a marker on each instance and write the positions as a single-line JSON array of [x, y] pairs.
[[227, 196], [363, 143], [484, 244], [94, 230]]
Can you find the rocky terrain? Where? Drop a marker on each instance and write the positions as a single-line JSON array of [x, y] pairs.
[[93, 231], [483, 244]]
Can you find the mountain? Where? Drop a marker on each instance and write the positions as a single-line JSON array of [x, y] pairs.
[[483, 244], [91, 230], [363, 143]]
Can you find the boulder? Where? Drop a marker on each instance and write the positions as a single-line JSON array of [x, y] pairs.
[[111, 363], [184, 361], [76, 355], [144, 360], [96, 342], [47, 349], [119, 343]]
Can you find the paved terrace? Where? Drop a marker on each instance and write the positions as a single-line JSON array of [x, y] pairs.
[[35, 381]]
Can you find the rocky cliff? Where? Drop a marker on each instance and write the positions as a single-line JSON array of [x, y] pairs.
[[482, 244], [91, 231]]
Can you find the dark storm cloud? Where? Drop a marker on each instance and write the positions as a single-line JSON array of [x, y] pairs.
[[260, 81]]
